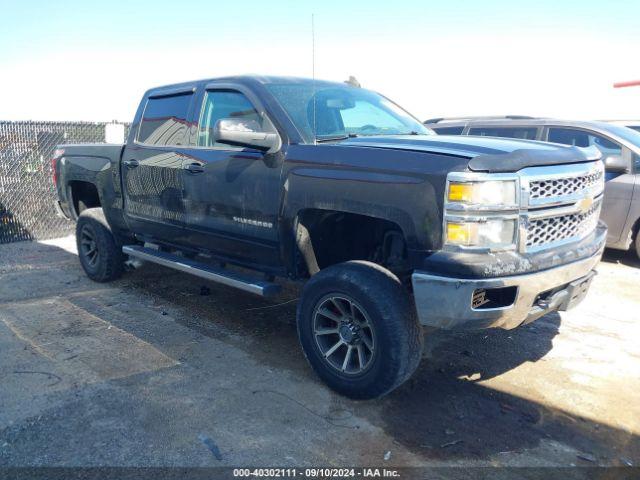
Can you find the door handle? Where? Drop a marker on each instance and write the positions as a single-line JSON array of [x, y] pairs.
[[130, 163], [194, 168]]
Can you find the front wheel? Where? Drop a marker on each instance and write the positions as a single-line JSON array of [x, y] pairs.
[[358, 329]]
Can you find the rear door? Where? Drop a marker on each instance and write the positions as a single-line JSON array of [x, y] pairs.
[[152, 166], [231, 193], [618, 187]]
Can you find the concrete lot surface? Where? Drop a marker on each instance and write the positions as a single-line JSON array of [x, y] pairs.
[[161, 368]]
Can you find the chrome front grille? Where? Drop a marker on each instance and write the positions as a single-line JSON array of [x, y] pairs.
[[555, 198], [564, 186], [544, 232], [555, 204]]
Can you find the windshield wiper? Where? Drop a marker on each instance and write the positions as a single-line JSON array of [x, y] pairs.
[[412, 132], [383, 134], [336, 138]]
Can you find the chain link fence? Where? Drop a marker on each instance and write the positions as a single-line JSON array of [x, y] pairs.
[[27, 193]]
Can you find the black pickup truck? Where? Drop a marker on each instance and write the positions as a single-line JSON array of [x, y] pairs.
[[391, 227]]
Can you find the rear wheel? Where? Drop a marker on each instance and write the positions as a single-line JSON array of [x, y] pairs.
[[99, 254], [358, 329]]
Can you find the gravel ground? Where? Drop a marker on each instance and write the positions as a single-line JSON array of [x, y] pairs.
[[164, 369]]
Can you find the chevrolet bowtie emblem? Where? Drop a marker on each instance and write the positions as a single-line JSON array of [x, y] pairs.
[[585, 204]]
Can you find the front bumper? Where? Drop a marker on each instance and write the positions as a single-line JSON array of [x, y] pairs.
[[446, 302]]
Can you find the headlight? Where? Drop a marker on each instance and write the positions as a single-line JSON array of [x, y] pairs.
[[490, 233], [489, 193]]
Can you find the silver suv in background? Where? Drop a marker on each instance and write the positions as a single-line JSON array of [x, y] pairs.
[[633, 124], [620, 147]]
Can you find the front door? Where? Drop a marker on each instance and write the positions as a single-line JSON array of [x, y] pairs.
[[618, 194], [232, 194]]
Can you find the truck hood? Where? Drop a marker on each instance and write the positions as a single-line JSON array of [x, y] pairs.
[[485, 154]]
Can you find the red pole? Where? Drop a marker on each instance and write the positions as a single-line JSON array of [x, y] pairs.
[[632, 83]]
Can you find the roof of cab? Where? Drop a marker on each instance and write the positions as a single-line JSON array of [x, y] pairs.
[[244, 80]]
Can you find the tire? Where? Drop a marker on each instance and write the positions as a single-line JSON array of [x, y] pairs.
[[98, 251], [381, 337], [637, 244]]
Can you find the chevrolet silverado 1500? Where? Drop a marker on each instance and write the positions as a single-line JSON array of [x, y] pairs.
[[390, 227]]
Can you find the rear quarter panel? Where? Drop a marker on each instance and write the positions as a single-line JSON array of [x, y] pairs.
[[98, 165]]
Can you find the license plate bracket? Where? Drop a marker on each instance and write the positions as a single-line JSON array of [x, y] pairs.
[[577, 290]]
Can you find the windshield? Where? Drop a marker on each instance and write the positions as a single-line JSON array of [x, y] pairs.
[[335, 111], [627, 134]]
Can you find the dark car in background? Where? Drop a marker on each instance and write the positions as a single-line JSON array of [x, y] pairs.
[[619, 144]]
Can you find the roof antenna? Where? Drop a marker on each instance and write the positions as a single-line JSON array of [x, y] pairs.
[[313, 75], [353, 81]]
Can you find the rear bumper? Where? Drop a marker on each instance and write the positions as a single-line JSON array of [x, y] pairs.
[[446, 302]]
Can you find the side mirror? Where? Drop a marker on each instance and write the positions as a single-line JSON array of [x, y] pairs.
[[616, 163], [245, 133]]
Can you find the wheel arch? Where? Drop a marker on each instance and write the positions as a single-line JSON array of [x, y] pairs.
[[362, 237], [83, 195]]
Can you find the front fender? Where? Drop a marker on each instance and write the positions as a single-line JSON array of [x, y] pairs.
[[408, 201]]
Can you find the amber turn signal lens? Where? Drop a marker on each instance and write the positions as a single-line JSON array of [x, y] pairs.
[[460, 192], [459, 233]]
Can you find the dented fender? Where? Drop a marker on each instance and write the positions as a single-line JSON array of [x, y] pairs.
[[406, 188]]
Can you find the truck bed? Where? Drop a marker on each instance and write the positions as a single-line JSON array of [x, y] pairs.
[[84, 167]]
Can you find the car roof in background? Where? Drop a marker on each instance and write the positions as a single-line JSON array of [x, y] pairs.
[[521, 121], [447, 120], [615, 130], [624, 123]]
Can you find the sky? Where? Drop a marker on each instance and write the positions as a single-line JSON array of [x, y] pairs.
[[84, 60]]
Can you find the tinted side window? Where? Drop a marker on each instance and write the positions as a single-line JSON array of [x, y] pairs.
[[164, 121], [582, 138], [525, 133], [221, 104], [603, 143], [569, 136], [448, 130]]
